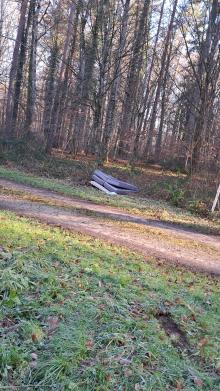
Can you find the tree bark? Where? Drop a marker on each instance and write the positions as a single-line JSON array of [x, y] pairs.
[[133, 79], [109, 122], [50, 83], [62, 83], [31, 93], [159, 82], [11, 98]]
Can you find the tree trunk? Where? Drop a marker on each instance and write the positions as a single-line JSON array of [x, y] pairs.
[[159, 82], [109, 122], [31, 94], [133, 79], [163, 107], [50, 84], [11, 98], [85, 78], [147, 97], [2, 12], [62, 83], [209, 62]]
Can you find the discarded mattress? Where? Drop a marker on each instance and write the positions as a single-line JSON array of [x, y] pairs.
[[100, 187], [111, 185]]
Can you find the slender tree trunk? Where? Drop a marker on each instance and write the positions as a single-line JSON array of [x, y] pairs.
[[50, 84], [133, 78], [159, 82], [110, 115], [107, 28], [163, 107], [20, 72], [9, 131], [147, 98], [2, 12], [84, 87], [31, 93], [208, 63], [62, 82], [63, 108]]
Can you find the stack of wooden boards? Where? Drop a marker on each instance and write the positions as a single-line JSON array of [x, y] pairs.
[[111, 185]]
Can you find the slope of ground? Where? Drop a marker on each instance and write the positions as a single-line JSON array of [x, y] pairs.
[[77, 314]]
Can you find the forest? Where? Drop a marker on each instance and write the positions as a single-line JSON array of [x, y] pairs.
[[135, 80], [119, 289]]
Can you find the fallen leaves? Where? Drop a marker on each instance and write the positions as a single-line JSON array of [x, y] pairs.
[[108, 378], [34, 356], [179, 385], [202, 342], [102, 307], [89, 344], [128, 372], [34, 337], [53, 323], [198, 382], [124, 361]]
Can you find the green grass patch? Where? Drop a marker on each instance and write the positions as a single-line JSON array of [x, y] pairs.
[[77, 314]]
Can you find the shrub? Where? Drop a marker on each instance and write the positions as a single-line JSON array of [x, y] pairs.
[[175, 194], [199, 207]]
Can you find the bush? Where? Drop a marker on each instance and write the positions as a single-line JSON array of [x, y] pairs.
[[175, 194], [26, 147], [175, 164], [199, 207]]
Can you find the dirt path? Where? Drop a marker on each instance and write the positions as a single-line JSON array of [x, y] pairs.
[[191, 249], [109, 212]]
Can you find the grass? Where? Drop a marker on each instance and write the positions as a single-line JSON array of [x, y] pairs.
[[77, 314], [143, 207]]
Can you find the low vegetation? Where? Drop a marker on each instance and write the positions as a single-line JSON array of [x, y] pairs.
[[77, 314]]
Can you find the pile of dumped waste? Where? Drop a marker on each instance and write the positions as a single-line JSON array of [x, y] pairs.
[[111, 185]]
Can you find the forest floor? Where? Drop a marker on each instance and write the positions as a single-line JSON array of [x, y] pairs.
[[95, 303]]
